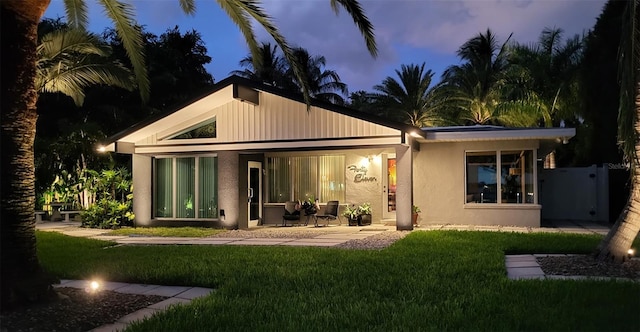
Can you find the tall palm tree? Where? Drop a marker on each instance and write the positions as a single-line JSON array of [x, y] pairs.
[[21, 276], [474, 87], [551, 70], [322, 83], [619, 239], [412, 99], [270, 67]]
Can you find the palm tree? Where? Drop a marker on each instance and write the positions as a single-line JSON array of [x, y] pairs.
[[323, 84], [70, 60], [474, 87], [412, 99], [271, 67], [22, 278], [619, 239], [551, 70]]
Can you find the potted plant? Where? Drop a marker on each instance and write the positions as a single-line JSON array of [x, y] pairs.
[[415, 210], [351, 213], [364, 212], [310, 206]]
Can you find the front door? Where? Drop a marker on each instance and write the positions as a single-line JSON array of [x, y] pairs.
[[389, 186], [254, 193]]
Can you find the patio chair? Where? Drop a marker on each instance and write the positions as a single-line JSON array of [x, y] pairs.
[[291, 213], [330, 213]]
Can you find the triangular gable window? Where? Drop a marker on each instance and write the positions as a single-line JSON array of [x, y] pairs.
[[205, 129]]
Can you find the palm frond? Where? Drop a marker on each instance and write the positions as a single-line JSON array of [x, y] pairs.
[[76, 11], [188, 6], [122, 15], [361, 20], [60, 42], [73, 80]]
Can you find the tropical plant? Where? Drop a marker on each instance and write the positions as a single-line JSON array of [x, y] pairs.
[[415, 209], [364, 208], [474, 87], [71, 59], [322, 83], [270, 67], [351, 212], [550, 70], [619, 239], [22, 278], [273, 69], [108, 213], [412, 99]]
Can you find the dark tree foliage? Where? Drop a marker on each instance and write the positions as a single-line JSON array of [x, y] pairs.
[[596, 140], [67, 134]]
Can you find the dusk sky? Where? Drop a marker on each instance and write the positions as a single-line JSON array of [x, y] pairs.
[[407, 31]]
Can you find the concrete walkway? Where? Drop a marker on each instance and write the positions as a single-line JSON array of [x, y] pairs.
[[327, 236]]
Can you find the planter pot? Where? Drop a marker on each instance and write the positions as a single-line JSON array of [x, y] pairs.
[[414, 219], [353, 221], [365, 219]]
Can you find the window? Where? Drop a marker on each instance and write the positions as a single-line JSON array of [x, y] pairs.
[[512, 182], [186, 187], [301, 178], [205, 129]]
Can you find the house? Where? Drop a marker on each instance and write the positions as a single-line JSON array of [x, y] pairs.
[[233, 156]]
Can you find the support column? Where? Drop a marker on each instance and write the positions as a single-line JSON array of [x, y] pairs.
[[142, 195], [228, 188], [404, 187]]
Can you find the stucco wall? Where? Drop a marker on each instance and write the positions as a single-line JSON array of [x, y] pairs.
[[439, 186], [228, 190], [142, 197]]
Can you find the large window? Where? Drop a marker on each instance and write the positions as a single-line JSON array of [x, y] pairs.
[[186, 187], [510, 182], [302, 178]]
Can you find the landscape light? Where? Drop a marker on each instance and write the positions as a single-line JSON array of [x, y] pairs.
[[94, 287], [101, 148], [631, 252]]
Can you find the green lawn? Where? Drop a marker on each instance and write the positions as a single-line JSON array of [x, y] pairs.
[[427, 281], [167, 231]]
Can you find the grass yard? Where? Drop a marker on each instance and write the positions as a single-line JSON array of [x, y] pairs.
[[167, 231], [440, 280]]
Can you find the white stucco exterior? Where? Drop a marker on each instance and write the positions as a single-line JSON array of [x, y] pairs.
[[439, 186], [430, 163]]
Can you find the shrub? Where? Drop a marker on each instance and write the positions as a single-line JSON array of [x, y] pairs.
[[108, 213]]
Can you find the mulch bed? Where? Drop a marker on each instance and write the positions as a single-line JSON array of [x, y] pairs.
[[76, 310]]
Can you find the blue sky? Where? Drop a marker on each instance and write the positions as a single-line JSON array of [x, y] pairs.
[[407, 31]]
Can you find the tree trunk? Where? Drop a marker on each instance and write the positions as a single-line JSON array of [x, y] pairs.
[[619, 239], [22, 278]]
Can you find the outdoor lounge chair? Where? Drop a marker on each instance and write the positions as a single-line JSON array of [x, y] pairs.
[[330, 213], [291, 213]]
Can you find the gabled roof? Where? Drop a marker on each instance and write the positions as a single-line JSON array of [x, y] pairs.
[[236, 81]]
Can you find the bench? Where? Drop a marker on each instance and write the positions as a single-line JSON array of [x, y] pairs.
[[69, 214], [39, 215]]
